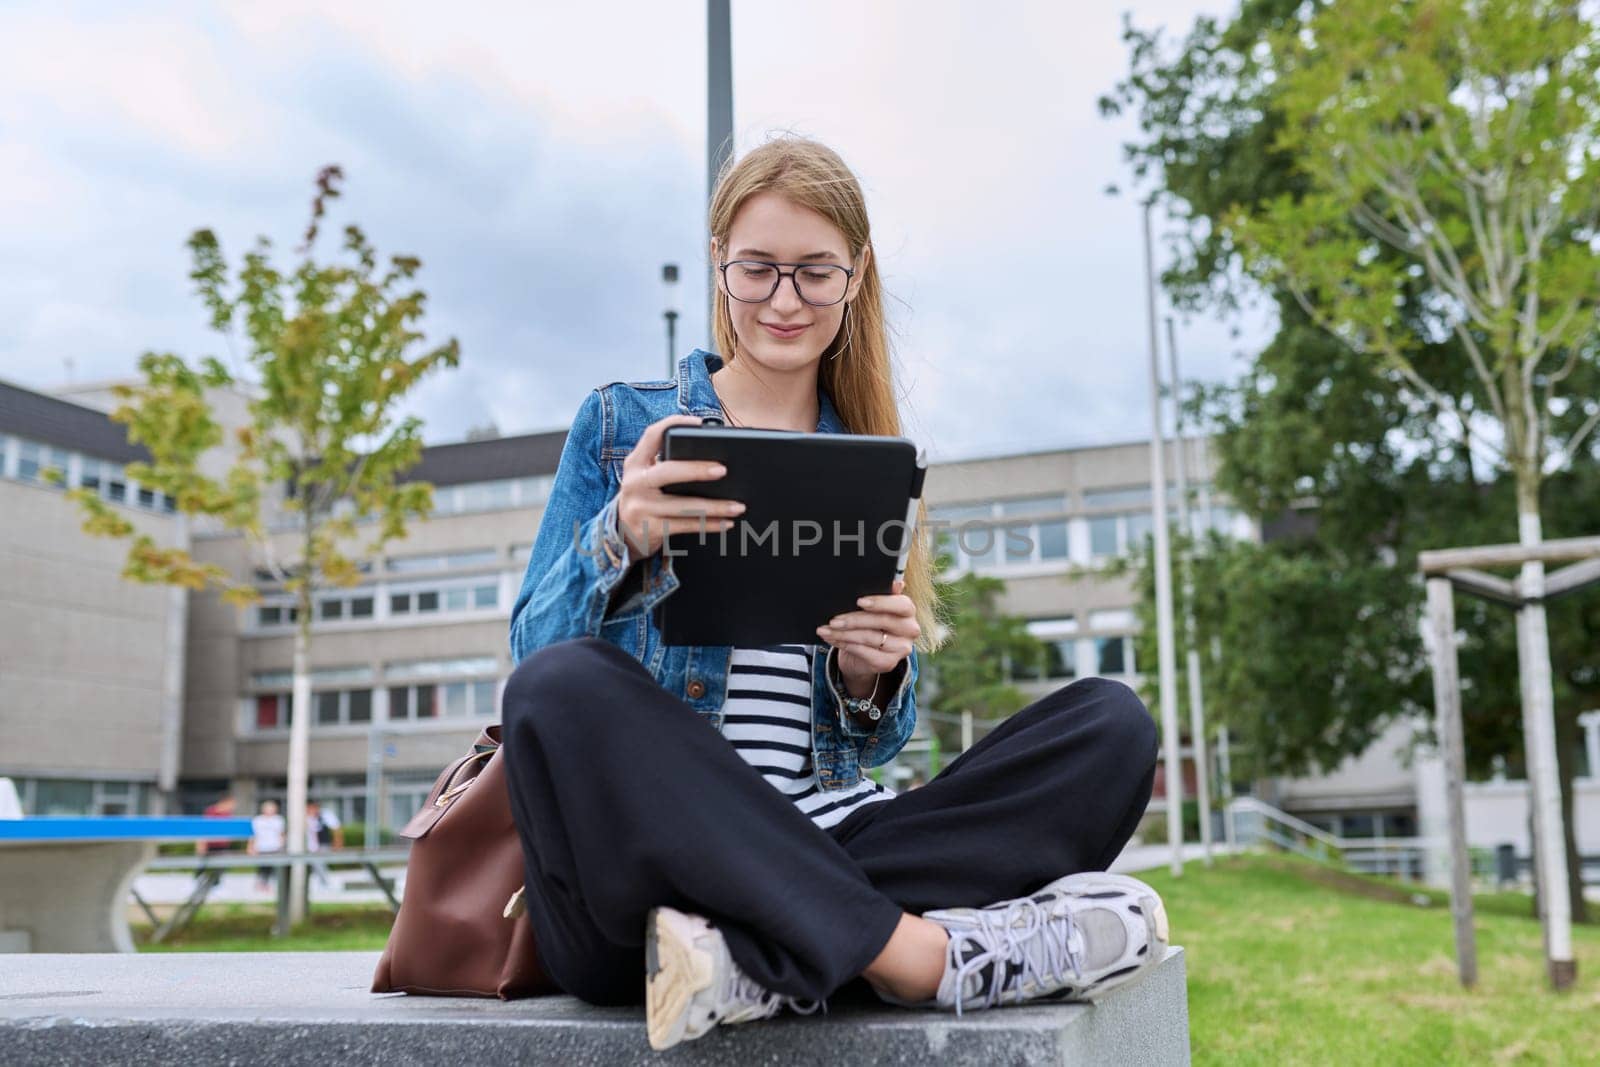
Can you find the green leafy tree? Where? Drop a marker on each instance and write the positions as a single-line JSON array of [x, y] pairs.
[[971, 669], [1325, 426], [329, 350]]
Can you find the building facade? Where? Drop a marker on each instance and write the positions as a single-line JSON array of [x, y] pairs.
[[116, 697]]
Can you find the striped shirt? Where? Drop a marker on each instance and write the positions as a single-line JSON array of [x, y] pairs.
[[767, 717]]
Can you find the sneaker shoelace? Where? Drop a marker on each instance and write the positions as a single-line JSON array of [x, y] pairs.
[[1003, 939]]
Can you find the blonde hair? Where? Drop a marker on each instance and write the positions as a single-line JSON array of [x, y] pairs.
[[855, 369]]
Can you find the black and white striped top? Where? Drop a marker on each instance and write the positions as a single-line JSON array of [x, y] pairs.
[[767, 717]]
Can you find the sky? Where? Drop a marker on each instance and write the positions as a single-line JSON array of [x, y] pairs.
[[545, 160]]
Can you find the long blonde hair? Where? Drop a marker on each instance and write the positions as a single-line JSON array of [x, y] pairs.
[[855, 369]]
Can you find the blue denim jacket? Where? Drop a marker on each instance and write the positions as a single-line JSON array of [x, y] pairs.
[[579, 560]]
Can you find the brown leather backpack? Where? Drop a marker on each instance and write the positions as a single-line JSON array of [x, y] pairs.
[[461, 930]]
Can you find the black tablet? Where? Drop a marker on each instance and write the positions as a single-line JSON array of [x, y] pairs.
[[827, 520]]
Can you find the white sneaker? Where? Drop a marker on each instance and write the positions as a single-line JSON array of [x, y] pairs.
[[692, 983], [1078, 938]]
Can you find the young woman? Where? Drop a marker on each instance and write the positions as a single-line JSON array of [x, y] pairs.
[[697, 829]]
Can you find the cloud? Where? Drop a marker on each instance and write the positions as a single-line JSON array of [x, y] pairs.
[[545, 160]]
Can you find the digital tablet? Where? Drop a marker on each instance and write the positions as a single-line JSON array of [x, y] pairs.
[[828, 518]]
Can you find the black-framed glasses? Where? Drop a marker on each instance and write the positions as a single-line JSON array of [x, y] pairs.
[[752, 281]]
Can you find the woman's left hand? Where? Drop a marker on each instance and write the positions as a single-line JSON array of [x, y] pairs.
[[875, 638]]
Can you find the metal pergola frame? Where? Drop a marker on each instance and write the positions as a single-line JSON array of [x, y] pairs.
[[1451, 569]]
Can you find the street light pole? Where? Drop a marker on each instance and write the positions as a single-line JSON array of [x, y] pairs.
[[1197, 712], [1166, 654], [669, 289], [719, 115]]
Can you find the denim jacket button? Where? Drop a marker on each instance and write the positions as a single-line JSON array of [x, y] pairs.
[[696, 689]]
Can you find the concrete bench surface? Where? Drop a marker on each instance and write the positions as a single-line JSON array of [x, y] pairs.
[[295, 1008]]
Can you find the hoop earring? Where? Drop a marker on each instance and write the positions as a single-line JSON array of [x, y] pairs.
[[849, 333]]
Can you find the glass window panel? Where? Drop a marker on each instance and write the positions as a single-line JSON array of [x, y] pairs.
[[168, 504], [497, 494], [955, 513], [455, 699], [147, 497], [29, 457], [1052, 538], [1018, 542], [427, 701], [400, 604], [1357, 826], [483, 698], [427, 601], [1061, 659], [89, 475], [1033, 505], [1112, 619], [327, 708], [267, 711], [456, 599], [399, 702], [361, 607], [62, 797], [269, 615], [1105, 498], [979, 544], [332, 609], [360, 701], [442, 668], [1103, 535], [1140, 526], [1108, 654], [485, 596], [116, 484], [406, 564]]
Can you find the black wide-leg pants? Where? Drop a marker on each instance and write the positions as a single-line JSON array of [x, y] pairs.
[[626, 799]]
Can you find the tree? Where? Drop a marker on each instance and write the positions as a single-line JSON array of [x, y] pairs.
[[329, 351], [1319, 427], [971, 669]]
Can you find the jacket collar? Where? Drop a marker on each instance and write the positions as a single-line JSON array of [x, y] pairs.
[[697, 397]]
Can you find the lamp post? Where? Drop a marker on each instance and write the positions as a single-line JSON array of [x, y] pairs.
[[669, 298], [1166, 654], [719, 117]]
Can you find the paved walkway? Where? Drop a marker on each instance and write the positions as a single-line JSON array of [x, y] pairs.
[[355, 886]]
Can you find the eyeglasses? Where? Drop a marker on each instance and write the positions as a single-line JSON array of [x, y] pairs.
[[752, 281]]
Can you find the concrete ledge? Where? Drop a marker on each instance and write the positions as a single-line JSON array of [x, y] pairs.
[[289, 1009]]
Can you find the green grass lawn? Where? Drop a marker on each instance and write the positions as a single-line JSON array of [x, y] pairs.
[[1289, 963], [1292, 963], [248, 928]]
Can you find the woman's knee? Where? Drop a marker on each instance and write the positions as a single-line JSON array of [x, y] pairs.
[[551, 678], [1114, 717], [1128, 723]]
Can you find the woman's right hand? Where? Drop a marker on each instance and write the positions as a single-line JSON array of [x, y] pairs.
[[645, 514]]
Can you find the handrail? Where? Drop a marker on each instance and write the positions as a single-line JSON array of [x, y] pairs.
[[1333, 847]]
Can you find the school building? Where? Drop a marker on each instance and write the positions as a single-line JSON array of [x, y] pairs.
[[117, 697]]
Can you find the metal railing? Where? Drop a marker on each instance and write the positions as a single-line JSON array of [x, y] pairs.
[[1255, 822]]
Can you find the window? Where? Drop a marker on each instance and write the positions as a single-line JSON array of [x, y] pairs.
[[452, 689], [490, 496], [482, 594], [486, 557], [37, 463], [1111, 655], [1060, 658], [1103, 536], [989, 535], [338, 698]]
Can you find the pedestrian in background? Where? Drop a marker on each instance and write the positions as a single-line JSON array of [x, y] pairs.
[[266, 838]]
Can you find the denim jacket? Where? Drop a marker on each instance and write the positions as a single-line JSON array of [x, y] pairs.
[[571, 588]]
